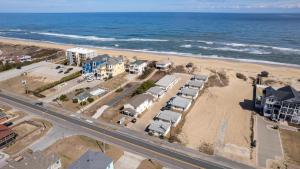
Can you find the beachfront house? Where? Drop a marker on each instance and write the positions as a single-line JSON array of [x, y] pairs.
[[103, 67], [204, 78], [163, 64], [180, 103], [137, 67], [281, 104], [7, 136], [35, 160], [167, 82], [195, 84], [156, 92], [93, 160], [169, 117], [189, 93], [159, 128], [138, 104], [77, 56]]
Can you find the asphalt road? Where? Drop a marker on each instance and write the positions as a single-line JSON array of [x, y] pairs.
[[171, 157]]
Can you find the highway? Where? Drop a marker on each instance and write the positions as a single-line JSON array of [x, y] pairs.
[[168, 156]]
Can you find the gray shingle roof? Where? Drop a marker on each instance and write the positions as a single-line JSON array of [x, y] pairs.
[[156, 90], [168, 115], [83, 96], [92, 160], [201, 77], [189, 92], [286, 93], [166, 81], [159, 126], [195, 83], [140, 99], [181, 102]]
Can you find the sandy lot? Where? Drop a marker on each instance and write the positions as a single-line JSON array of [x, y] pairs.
[[69, 153], [220, 116], [291, 146]]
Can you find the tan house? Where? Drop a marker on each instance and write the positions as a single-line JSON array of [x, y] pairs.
[[115, 66]]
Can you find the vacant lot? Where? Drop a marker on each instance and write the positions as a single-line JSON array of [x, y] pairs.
[[220, 116], [28, 132], [70, 149], [291, 146], [114, 82], [149, 164]]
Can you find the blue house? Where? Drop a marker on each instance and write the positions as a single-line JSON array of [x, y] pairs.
[[94, 67]]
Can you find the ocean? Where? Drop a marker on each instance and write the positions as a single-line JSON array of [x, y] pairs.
[[266, 38]]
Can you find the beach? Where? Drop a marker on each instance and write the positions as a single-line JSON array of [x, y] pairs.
[[219, 114]]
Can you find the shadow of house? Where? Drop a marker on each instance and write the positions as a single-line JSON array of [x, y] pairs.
[[247, 105]]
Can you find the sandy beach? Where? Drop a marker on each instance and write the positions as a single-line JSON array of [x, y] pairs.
[[217, 107]]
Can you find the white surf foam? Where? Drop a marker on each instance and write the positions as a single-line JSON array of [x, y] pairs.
[[186, 46], [95, 38]]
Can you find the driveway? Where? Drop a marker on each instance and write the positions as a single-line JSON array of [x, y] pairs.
[[269, 144]]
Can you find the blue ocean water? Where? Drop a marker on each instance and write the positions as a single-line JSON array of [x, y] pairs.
[[250, 37]]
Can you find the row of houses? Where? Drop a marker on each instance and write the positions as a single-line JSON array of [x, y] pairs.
[[171, 114], [15, 59], [140, 103]]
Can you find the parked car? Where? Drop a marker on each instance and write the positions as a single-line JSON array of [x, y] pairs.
[[19, 67], [70, 69], [133, 120], [58, 67], [7, 124], [60, 71]]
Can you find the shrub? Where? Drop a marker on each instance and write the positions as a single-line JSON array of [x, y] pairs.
[[264, 74], [90, 100], [144, 87], [119, 90], [75, 100], [63, 98], [241, 76], [83, 103], [189, 65]]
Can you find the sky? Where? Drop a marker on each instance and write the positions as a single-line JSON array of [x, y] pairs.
[[48, 6]]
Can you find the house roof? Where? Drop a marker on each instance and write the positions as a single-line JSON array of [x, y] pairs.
[[140, 99], [189, 92], [201, 77], [156, 90], [159, 126], [32, 160], [168, 115], [83, 96], [181, 102], [163, 62], [195, 83], [2, 114], [4, 131], [130, 111], [80, 50], [166, 81], [287, 93], [92, 160], [138, 62]]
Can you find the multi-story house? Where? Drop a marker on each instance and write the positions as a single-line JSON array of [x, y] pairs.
[[77, 56], [281, 104], [137, 67], [7, 135], [103, 66]]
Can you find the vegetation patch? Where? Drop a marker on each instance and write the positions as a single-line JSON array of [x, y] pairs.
[[206, 148], [144, 87], [291, 144], [241, 76]]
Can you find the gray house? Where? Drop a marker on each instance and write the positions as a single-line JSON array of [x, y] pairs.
[[281, 104], [169, 117], [195, 84], [159, 128], [180, 103], [93, 160], [189, 93], [156, 92]]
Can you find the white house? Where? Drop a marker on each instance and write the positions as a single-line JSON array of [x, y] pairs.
[[159, 128], [137, 67], [200, 77], [196, 84], [25, 58], [138, 104], [156, 92], [167, 82], [180, 103], [78, 55], [169, 116], [163, 64]]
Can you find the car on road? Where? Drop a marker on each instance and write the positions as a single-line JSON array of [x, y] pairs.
[[39, 103], [60, 71], [7, 124], [58, 67]]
